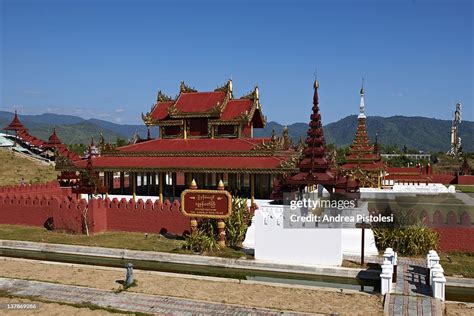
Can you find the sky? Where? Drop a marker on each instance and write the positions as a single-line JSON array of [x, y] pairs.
[[107, 59]]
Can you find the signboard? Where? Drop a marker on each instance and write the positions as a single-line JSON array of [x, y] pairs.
[[206, 203]]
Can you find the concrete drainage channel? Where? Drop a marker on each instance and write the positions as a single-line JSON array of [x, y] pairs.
[[242, 269]]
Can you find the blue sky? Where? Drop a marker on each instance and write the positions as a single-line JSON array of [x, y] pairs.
[[107, 59]]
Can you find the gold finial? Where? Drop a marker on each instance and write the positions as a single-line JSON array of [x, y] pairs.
[[362, 88], [220, 186], [316, 84], [193, 184]]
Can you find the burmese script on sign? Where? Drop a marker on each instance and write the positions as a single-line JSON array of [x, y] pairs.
[[206, 203]]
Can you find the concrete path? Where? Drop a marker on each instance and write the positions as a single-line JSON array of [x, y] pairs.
[[125, 301], [412, 294]]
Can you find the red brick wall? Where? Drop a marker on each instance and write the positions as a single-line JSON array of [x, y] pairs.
[[139, 216], [455, 229], [456, 238], [35, 210], [30, 206], [468, 180]]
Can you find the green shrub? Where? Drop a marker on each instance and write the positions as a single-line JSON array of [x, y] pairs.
[[409, 241], [201, 241], [236, 225], [206, 236]]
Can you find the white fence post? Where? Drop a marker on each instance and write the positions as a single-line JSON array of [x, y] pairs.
[[438, 286], [386, 280]]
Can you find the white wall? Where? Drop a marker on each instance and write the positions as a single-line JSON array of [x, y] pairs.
[[298, 246], [351, 242], [351, 237]]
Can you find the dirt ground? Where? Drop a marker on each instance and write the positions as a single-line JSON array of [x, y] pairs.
[[49, 309], [456, 308], [289, 298]]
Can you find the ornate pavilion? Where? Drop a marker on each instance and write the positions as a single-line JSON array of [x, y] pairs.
[[206, 136]]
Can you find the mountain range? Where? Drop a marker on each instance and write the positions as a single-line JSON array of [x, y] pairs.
[[421, 133]]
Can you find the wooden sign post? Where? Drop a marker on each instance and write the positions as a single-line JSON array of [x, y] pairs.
[[215, 204], [363, 226]]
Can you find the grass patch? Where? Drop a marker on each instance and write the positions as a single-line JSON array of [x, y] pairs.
[[13, 167], [122, 240], [461, 264], [465, 188]]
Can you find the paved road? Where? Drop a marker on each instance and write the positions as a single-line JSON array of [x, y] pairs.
[[126, 301]]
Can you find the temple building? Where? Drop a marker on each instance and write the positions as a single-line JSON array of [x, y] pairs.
[[363, 162], [205, 136]]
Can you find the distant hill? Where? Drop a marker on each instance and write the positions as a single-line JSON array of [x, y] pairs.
[[421, 133], [73, 129]]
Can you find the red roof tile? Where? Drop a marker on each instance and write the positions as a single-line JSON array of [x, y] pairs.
[[235, 108], [160, 112], [403, 170], [195, 145], [192, 102]]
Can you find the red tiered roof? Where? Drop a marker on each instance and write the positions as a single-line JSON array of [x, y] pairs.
[[53, 140], [219, 105], [314, 167], [362, 154], [15, 125], [203, 155]]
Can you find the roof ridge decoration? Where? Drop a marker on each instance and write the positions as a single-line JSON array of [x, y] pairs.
[[215, 111], [227, 88], [253, 95], [183, 88], [161, 97], [276, 143]]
